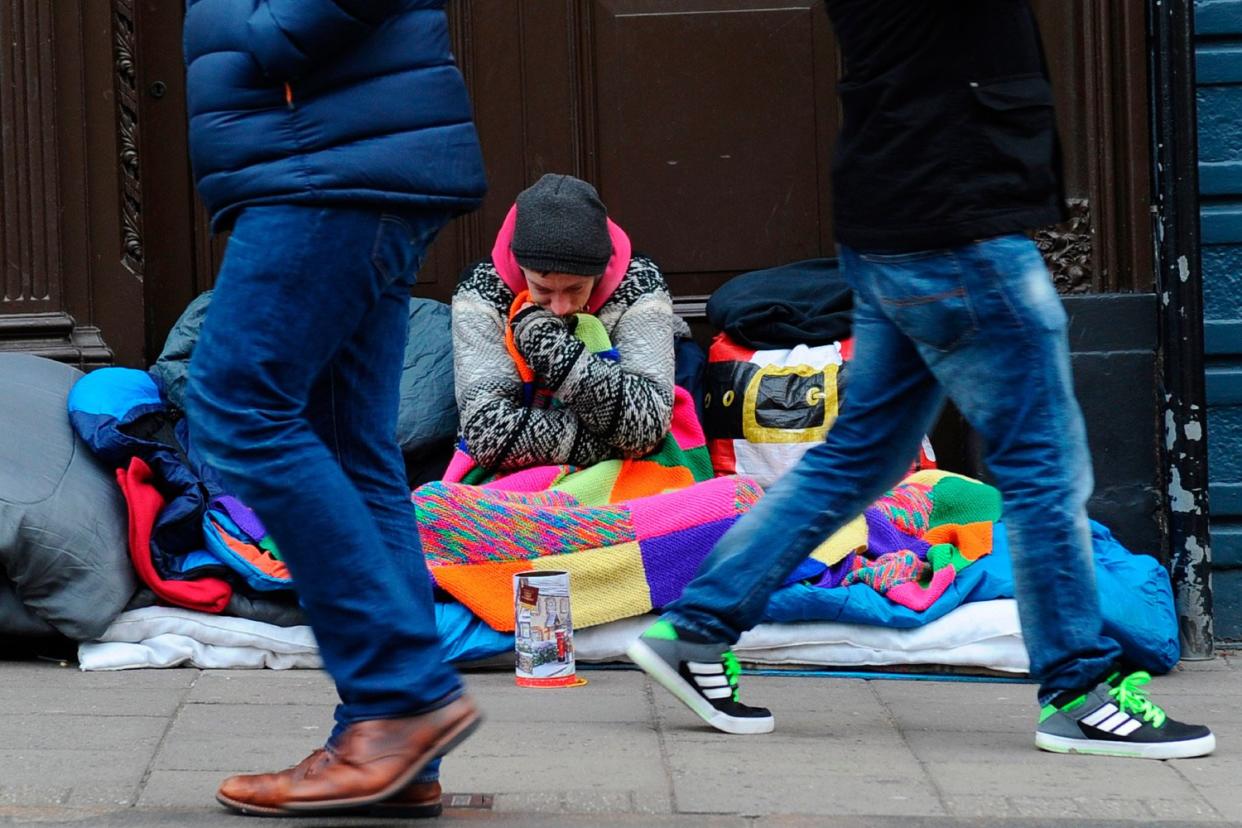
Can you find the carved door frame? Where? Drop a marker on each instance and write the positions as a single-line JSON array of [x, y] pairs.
[[70, 290]]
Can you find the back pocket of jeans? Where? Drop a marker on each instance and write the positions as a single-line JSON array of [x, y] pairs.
[[926, 298]]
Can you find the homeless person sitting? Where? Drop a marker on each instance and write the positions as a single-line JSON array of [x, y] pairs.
[[562, 340], [578, 451]]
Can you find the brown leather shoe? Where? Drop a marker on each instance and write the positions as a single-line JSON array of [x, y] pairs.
[[418, 800], [373, 761]]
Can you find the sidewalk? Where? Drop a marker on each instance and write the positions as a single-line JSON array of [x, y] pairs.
[[149, 748]]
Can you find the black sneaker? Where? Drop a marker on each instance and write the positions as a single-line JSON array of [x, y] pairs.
[[1115, 718], [703, 676]]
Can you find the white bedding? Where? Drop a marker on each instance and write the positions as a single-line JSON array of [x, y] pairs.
[[984, 634], [172, 637]]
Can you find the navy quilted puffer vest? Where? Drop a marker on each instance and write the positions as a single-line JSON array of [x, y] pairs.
[[327, 101]]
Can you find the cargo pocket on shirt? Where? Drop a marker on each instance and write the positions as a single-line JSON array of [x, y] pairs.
[[1016, 135]]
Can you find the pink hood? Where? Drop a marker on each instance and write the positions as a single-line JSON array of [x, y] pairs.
[[509, 270]]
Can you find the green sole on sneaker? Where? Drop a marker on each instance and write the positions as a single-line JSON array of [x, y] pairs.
[[1128, 750], [671, 680]]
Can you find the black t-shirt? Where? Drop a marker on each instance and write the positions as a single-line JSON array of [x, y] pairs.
[[948, 130]]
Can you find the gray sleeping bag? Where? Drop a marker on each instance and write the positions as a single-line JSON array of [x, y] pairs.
[[64, 550], [427, 421]]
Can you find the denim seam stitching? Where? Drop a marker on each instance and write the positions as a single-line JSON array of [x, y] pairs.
[[961, 291], [377, 261], [1002, 289]]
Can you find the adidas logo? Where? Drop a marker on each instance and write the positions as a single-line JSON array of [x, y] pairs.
[[1109, 721], [710, 679]]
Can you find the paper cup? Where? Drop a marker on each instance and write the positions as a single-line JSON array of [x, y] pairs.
[[543, 632]]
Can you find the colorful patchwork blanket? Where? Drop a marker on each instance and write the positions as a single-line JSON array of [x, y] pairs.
[[623, 559], [629, 558], [910, 545]]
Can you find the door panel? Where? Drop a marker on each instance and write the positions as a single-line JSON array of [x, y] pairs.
[[706, 125], [709, 113]]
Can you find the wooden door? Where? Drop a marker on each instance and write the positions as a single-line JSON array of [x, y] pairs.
[[706, 125]]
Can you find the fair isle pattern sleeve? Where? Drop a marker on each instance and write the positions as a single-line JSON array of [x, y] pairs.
[[500, 432], [628, 403]]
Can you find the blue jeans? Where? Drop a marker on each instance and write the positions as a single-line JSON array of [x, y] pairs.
[[293, 399], [982, 323]]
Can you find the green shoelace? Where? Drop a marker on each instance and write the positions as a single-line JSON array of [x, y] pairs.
[[1132, 698], [733, 669]]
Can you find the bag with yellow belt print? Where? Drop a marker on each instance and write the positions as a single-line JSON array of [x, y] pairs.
[[764, 409]]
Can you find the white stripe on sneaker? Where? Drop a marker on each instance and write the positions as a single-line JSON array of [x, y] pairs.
[[699, 668], [1128, 728], [717, 692], [664, 674], [1100, 715], [711, 681], [1113, 722]]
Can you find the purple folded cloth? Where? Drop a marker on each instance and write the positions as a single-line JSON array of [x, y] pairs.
[[884, 537], [242, 515]]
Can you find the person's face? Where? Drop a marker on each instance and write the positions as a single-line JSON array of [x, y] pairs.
[[561, 293]]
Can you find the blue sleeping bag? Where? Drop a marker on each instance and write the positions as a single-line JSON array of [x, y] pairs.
[[1136, 600]]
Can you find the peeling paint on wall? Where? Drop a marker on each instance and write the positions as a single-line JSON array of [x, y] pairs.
[[1181, 499]]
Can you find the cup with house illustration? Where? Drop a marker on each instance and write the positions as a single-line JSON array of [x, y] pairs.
[[543, 631]]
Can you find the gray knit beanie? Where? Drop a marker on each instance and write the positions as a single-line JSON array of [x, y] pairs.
[[562, 227]]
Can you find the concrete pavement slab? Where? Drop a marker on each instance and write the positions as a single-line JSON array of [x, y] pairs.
[[72, 777], [737, 784], [50, 731], [807, 765], [219, 818], [67, 697], [592, 803], [826, 753], [608, 696], [1217, 779], [1078, 809], [803, 707], [523, 757], [1182, 810], [192, 789], [137, 818], [46, 674], [965, 706], [243, 738], [263, 687], [619, 751], [963, 764]]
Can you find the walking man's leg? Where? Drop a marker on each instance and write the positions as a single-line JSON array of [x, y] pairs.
[[353, 406], [297, 285], [890, 401], [1011, 379]]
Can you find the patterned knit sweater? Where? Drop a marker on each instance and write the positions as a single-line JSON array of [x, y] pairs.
[[602, 407]]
